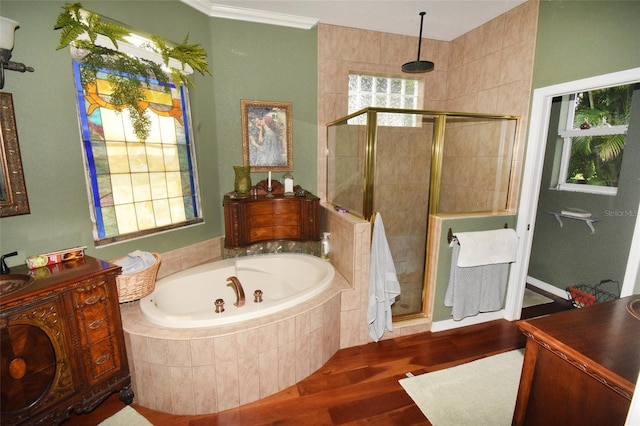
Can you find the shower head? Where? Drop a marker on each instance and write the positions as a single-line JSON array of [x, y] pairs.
[[418, 66]]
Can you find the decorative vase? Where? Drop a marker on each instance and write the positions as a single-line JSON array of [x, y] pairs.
[[242, 183]]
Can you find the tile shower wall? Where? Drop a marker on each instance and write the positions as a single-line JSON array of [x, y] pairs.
[[350, 255], [401, 196], [486, 70], [476, 166]]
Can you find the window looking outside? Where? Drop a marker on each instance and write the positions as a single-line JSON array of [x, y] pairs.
[[137, 188], [594, 138], [388, 92]]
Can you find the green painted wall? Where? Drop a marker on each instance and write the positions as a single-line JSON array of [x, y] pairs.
[[249, 61], [577, 40], [264, 63]]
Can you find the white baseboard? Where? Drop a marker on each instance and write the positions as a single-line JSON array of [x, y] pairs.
[[547, 287], [450, 324]]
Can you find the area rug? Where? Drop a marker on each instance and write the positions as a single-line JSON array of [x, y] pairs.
[[126, 417], [481, 392], [531, 298]]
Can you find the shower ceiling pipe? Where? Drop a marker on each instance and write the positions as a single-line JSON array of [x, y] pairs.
[[418, 66]]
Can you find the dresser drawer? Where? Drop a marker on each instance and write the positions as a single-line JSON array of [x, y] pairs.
[[287, 219], [257, 219], [286, 207], [274, 232], [94, 324], [260, 209], [90, 294], [101, 359]]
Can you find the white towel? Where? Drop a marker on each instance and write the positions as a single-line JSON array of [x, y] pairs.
[[487, 247], [474, 289], [383, 283], [135, 261]]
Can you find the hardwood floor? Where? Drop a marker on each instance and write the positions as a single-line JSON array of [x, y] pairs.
[[358, 385]]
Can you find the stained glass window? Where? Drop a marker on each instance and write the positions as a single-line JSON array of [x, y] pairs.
[[137, 188]]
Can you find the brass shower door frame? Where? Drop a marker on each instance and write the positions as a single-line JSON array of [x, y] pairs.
[[435, 180]]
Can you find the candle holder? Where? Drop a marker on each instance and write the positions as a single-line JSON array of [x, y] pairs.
[[269, 192]]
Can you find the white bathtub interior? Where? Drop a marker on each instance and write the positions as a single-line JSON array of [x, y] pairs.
[[186, 299]]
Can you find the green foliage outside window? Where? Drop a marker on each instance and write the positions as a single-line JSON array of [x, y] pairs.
[[597, 159]]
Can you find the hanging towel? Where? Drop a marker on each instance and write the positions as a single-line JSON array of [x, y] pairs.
[[487, 247], [383, 283], [474, 289]]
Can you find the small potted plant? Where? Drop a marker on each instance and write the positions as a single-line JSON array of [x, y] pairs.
[[81, 29]]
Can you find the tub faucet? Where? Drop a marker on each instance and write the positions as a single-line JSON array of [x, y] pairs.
[[237, 287], [3, 266]]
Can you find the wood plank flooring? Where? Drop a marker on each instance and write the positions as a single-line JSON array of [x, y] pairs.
[[359, 385]]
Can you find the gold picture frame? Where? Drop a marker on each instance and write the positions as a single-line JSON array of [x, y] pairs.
[[13, 191], [267, 135]]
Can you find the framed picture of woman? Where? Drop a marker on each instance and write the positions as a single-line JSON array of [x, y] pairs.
[[267, 135]]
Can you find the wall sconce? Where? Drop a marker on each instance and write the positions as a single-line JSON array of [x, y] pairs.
[[7, 32]]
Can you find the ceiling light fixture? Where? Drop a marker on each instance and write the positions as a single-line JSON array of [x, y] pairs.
[[418, 66]]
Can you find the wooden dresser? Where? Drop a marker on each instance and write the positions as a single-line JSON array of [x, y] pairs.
[[580, 366], [62, 343], [255, 219]]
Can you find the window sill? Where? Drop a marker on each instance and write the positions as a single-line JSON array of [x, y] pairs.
[[587, 189]]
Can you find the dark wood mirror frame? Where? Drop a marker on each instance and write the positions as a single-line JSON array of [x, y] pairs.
[[13, 191]]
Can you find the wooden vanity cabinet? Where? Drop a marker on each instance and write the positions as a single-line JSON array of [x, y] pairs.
[[62, 343], [255, 219], [580, 366]]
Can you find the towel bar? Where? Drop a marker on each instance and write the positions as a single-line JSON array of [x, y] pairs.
[[450, 234]]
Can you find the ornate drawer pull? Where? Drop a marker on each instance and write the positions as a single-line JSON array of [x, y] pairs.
[[92, 300], [102, 359], [95, 324]]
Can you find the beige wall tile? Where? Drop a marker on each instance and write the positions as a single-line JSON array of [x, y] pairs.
[[161, 379], [225, 349], [227, 384], [144, 384], [268, 374], [158, 351], [182, 394], [249, 378], [202, 352], [179, 353], [204, 390]]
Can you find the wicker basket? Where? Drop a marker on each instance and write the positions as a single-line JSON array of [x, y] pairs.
[[135, 286]]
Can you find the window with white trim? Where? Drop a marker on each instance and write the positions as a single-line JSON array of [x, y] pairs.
[[388, 92], [136, 187], [594, 135]]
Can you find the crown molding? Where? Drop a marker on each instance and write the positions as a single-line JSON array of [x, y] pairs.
[[212, 9]]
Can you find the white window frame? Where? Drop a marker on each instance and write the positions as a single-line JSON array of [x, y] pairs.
[[569, 107]]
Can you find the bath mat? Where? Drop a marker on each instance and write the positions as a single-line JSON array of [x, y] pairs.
[[481, 392], [126, 417], [531, 298]]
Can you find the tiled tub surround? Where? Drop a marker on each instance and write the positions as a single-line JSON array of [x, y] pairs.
[[198, 371]]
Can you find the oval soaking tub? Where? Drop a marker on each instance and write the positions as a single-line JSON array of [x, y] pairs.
[[187, 299]]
